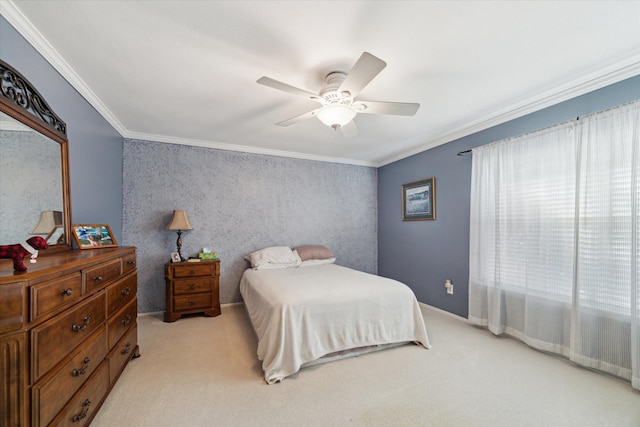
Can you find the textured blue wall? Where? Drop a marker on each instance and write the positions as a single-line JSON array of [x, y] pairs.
[[95, 148], [238, 203], [423, 254]]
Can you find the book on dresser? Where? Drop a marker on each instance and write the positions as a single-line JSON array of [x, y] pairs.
[[67, 331]]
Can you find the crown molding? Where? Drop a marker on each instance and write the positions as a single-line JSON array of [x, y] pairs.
[[605, 76], [598, 79], [20, 22], [245, 149]]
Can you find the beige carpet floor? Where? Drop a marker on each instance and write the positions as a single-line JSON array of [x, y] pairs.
[[204, 372]]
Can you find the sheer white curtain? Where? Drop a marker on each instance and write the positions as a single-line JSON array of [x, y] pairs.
[[554, 248]]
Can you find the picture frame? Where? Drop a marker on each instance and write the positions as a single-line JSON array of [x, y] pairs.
[[93, 236], [419, 200], [175, 257]]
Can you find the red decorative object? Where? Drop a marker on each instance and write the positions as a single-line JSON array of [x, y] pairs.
[[18, 251]]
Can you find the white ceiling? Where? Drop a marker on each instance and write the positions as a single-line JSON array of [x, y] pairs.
[[185, 71]]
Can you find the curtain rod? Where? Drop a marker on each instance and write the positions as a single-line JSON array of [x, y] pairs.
[[463, 152]]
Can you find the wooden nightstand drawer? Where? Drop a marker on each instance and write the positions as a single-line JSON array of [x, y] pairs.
[[53, 340], [192, 302], [193, 269], [192, 286], [51, 296], [52, 393], [100, 275]]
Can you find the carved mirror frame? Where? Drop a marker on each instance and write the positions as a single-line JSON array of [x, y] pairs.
[[22, 101]]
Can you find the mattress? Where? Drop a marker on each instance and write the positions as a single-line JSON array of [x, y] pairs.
[[302, 315]]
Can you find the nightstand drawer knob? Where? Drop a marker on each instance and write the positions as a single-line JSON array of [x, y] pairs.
[[126, 320], [126, 349], [66, 292], [131, 262], [193, 286], [192, 272], [192, 303], [126, 291], [98, 279]]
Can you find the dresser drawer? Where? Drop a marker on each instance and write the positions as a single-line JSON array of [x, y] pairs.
[[52, 393], [85, 402], [101, 275], [129, 263], [55, 294], [121, 292], [191, 286], [12, 306], [122, 321], [193, 269], [122, 352], [54, 339], [192, 302]]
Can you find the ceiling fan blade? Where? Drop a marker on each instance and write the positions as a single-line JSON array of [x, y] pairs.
[[267, 81], [394, 108], [349, 130], [293, 120], [364, 70]]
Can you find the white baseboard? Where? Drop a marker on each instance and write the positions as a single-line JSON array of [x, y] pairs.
[[446, 313]]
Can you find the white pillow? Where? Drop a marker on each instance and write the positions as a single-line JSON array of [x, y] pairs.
[[274, 257], [310, 262]]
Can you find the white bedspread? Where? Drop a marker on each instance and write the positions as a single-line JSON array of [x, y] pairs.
[[302, 314]]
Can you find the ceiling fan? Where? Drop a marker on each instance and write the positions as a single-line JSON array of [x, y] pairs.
[[338, 99]]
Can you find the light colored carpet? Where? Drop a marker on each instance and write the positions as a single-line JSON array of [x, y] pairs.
[[203, 371]]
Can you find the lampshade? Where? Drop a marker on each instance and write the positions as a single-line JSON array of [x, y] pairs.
[[48, 221], [179, 221], [336, 115]]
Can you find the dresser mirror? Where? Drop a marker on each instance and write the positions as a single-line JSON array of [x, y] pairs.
[[34, 177]]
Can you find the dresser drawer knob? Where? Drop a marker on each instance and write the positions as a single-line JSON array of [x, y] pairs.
[[131, 262], [193, 286], [66, 292], [192, 302], [192, 272], [126, 291], [82, 415], [98, 279], [80, 328], [126, 349], [126, 320], [83, 370]]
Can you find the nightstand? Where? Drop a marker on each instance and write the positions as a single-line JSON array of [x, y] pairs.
[[192, 287]]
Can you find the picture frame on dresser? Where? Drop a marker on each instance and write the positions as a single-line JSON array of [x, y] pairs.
[[93, 236], [175, 257]]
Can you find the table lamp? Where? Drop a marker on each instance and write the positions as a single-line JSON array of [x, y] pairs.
[[179, 222]]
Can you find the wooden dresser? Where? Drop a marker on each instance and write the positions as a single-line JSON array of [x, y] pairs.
[[192, 287], [67, 330]]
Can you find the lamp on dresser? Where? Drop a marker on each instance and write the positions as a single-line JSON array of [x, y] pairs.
[[178, 223]]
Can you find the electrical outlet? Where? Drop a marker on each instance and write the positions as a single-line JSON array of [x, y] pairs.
[[449, 286]]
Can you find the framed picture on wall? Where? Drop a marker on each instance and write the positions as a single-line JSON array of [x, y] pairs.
[[419, 200], [93, 236]]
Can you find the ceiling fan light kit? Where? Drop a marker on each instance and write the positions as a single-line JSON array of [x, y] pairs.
[[336, 115], [338, 98]]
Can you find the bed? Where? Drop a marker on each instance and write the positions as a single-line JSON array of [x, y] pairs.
[[308, 311]]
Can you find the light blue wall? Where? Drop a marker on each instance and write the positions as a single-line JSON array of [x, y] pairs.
[[424, 254], [95, 148], [238, 203]]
